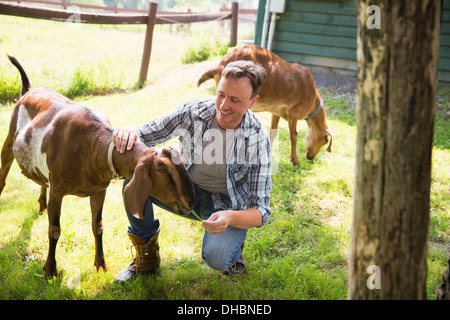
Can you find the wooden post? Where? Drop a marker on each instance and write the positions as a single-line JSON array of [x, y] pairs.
[[395, 119], [148, 43], [188, 25], [234, 23]]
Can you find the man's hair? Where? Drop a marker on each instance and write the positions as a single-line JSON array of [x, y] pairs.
[[242, 68]]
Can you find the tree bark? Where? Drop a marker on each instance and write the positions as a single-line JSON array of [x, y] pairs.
[[443, 291], [397, 66]]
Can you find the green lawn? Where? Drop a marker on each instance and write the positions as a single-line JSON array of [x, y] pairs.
[[301, 253]]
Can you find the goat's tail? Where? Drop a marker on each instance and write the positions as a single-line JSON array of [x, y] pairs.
[[210, 74], [26, 85]]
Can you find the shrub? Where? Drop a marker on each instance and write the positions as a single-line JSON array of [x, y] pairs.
[[204, 48], [9, 87], [81, 83]]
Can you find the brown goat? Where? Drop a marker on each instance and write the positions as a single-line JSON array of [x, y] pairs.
[[68, 149], [288, 92]]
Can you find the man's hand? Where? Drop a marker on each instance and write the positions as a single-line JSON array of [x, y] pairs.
[[243, 219], [124, 138], [217, 222]]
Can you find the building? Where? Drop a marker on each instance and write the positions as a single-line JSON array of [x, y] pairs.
[[323, 33]]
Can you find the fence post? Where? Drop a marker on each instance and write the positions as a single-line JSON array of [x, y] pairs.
[[148, 43], [234, 23]]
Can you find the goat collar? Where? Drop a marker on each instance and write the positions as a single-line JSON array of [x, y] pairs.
[[315, 112], [110, 161]]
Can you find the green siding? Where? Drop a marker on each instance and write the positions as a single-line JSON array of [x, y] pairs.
[[323, 33], [315, 33], [444, 50]]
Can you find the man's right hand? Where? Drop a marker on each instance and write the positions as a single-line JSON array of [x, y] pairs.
[[124, 138]]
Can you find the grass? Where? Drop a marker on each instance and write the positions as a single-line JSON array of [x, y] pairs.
[[300, 254]]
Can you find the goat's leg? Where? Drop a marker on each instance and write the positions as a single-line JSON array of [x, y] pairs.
[[274, 127], [293, 133], [7, 158], [54, 231], [96, 202], [43, 200]]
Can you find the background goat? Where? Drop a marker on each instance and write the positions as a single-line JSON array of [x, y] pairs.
[[288, 92], [68, 149]]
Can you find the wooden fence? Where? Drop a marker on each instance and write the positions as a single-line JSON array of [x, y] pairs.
[[150, 19]]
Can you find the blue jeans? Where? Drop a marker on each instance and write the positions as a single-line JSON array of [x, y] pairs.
[[219, 251]]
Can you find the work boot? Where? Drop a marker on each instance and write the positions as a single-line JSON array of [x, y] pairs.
[[237, 268], [147, 258]]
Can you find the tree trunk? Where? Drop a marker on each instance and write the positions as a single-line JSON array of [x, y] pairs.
[[443, 291], [397, 65]]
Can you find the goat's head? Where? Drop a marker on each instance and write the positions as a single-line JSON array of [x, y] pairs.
[[162, 174], [315, 139]]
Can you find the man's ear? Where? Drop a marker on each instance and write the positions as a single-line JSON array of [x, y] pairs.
[[137, 191], [253, 101]]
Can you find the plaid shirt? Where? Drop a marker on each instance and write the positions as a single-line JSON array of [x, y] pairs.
[[249, 164]]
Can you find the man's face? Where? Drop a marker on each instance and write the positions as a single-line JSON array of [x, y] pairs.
[[233, 99]]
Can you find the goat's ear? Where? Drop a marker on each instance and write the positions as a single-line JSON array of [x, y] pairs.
[[331, 140], [137, 191]]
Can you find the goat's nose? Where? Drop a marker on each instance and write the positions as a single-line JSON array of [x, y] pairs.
[[310, 156]]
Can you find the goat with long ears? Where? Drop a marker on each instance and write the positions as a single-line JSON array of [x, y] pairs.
[[67, 148]]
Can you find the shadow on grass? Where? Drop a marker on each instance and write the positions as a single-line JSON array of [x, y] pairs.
[[20, 274], [21, 265]]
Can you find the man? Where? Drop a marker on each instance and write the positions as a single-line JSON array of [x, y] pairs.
[[227, 153]]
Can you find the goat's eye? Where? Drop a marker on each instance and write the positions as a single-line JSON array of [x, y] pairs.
[[163, 170]]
